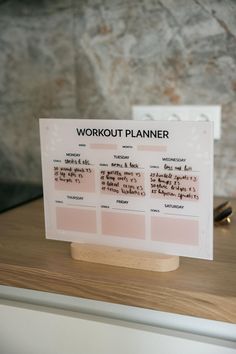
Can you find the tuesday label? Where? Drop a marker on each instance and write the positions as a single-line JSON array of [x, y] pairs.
[[140, 185]]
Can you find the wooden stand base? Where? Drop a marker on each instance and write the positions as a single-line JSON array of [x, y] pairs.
[[124, 257]]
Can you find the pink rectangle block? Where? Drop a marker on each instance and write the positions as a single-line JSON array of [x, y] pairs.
[[180, 231], [82, 180], [74, 219], [154, 148], [172, 186], [122, 182], [123, 225], [104, 146]]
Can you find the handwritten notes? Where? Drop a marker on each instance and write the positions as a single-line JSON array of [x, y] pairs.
[[174, 186], [139, 185], [78, 178], [121, 182]]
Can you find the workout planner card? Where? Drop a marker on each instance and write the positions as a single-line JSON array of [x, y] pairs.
[[144, 185]]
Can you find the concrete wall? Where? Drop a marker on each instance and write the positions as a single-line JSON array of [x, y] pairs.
[[96, 58]]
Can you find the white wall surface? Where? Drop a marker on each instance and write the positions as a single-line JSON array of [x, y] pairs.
[[37, 330]]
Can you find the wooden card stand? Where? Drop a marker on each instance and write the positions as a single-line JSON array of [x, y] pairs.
[[124, 257]]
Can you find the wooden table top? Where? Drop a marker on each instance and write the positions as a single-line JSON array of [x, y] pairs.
[[199, 288]]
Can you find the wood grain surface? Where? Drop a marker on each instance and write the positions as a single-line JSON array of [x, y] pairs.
[[197, 288], [123, 257]]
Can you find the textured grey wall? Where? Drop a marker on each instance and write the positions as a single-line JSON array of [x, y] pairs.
[[97, 58]]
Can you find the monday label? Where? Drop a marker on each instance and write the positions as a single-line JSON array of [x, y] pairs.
[[132, 184]]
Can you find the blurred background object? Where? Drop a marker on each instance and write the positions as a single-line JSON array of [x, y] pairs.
[[17, 193]]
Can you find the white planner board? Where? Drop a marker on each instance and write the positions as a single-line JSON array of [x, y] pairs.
[[144, 185]]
